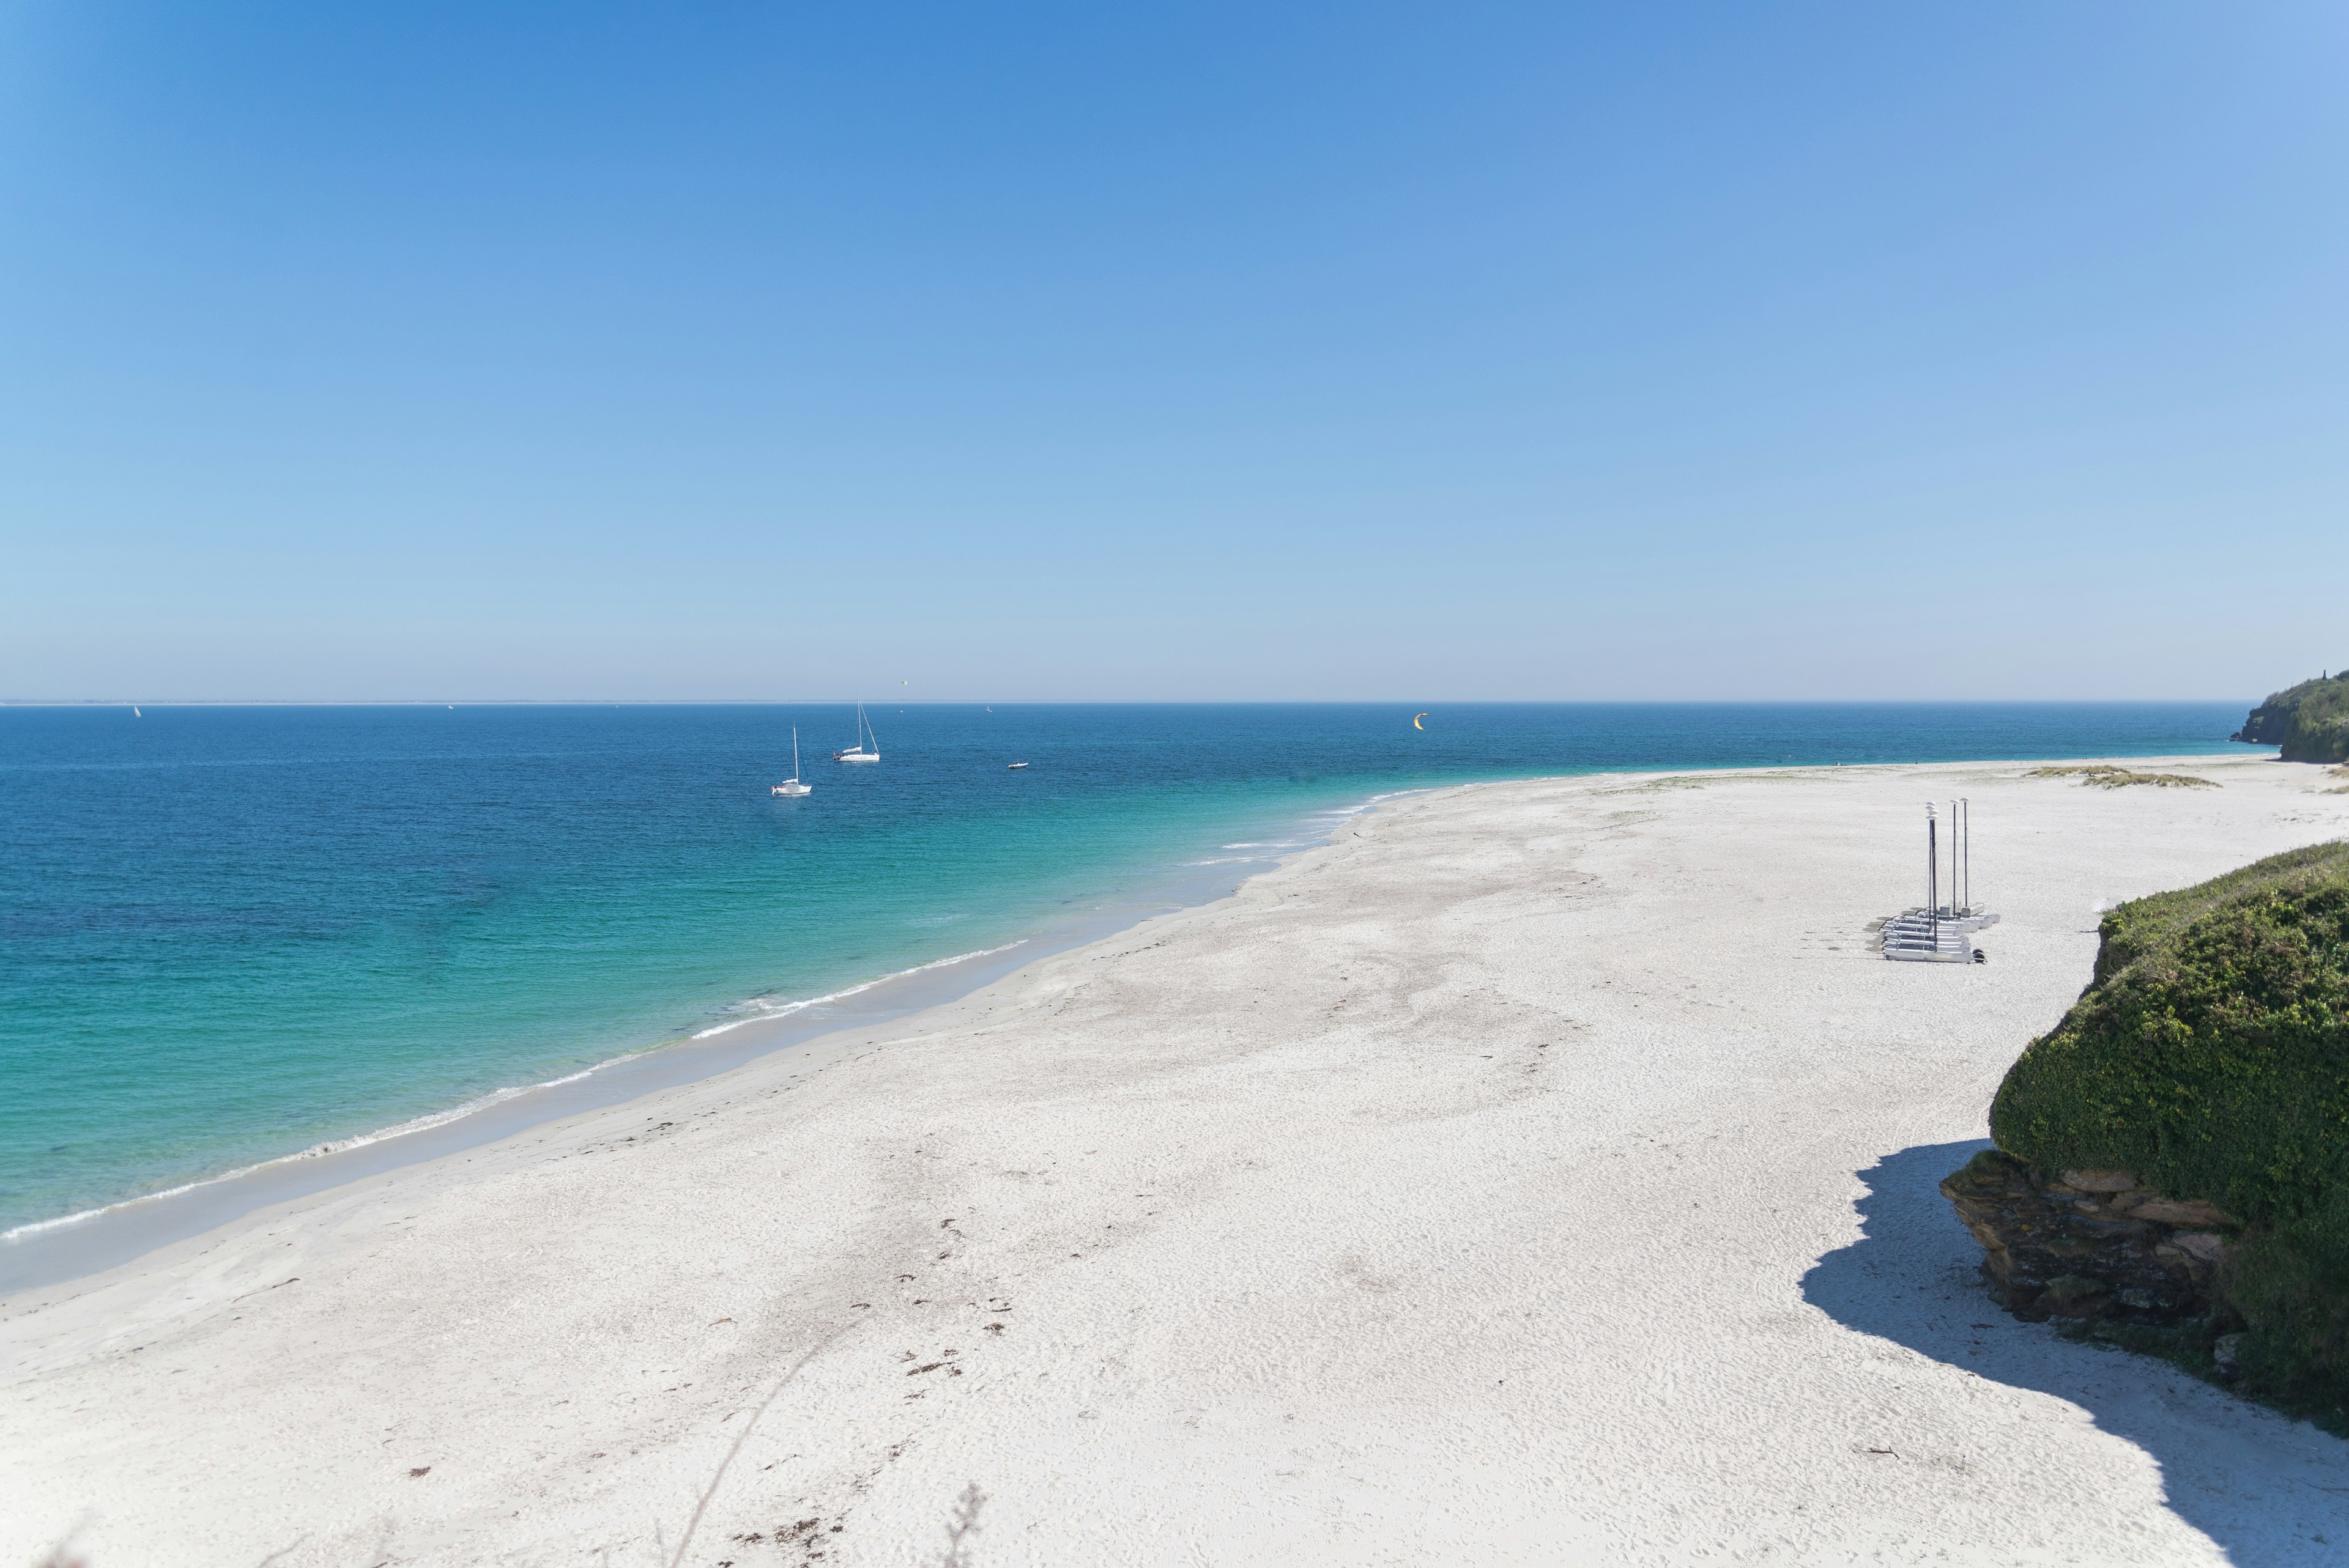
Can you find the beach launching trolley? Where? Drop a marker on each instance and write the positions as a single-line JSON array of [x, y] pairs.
[[1942, 930]]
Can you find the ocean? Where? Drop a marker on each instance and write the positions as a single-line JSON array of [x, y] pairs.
[[231, 934]]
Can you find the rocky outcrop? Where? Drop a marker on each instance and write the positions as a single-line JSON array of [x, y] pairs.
[[2091, 1245], [2310, 722], [2209, 1059]]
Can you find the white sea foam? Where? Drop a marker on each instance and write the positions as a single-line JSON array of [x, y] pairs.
[[760, 1010], [34, 1227], [1374, 802]]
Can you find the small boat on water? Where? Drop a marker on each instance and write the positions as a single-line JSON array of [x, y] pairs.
[[1015, 765], [858, 752], [792, 786]]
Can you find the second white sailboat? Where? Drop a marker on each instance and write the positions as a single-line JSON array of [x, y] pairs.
[[859, 752], [792, 786]]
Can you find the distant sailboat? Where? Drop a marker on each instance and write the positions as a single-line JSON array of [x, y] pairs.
[[859, 752], [135, 714], [792, 786]]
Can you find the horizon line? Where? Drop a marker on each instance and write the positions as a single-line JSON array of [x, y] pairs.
[[1081, 702]]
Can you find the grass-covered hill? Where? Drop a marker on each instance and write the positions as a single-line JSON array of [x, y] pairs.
[[2210, 1056], [2310, 721]]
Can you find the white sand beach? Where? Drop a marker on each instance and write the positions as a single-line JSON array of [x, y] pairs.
[[1540, 1172]]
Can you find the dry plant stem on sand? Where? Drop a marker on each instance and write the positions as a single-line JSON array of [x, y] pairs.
[[1539, 1173]]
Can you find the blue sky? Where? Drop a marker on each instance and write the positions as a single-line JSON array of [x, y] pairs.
[[1213, 352]]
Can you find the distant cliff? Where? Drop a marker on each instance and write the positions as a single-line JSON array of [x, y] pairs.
[[2310, 721]]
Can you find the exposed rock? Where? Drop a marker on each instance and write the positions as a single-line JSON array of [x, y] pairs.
[[2191, 1212], [2206, 1247], [2100, 1180], [2095, 1245]]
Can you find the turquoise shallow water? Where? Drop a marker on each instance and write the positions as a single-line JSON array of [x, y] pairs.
[[227, 934]]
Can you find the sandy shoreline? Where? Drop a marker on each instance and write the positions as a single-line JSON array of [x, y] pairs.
[[1540, 1171]]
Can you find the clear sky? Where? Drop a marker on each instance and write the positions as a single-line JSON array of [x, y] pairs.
[[1213, 351]]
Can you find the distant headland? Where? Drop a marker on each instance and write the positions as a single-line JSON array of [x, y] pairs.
[[2310, 721]]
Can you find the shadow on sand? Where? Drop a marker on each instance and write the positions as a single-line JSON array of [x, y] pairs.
[[2266, 1489]]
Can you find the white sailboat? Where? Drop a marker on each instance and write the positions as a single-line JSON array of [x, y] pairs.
[[859, 752], [792, 786]]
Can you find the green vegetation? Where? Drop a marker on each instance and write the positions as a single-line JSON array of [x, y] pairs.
[[2210, 1056], [2310, 721], [2105, 776]]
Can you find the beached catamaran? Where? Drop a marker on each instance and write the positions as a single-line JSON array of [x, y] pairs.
[[859, 752], [1941, 930], [792, 786]]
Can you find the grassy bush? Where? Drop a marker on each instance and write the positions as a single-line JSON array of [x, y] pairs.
[[2209, 1055]]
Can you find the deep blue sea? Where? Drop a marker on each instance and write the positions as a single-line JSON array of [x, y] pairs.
[[231, 934]]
